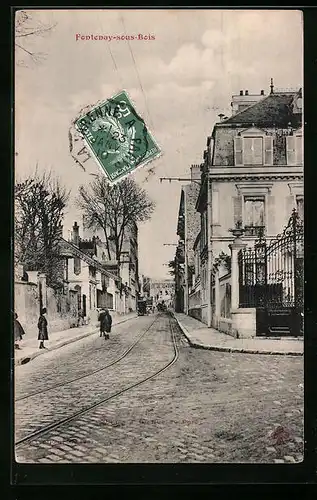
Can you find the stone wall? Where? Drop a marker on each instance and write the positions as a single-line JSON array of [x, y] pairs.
[[61, 309]]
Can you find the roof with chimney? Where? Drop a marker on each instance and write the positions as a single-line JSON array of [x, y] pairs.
[[69, 250], [277, 109], [88, 246]]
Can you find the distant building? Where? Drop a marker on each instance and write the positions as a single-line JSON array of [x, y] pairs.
[[162, 290]]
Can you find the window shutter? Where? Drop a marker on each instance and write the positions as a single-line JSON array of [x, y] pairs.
[[299, 150], [258, 151], [268, 150], [238, 151], [237, 209], [290, 150], [248, 151], [271, 214]]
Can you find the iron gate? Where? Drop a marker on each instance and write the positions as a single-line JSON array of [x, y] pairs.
[[271, 277]]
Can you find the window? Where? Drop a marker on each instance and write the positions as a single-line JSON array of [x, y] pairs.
[[77, 266], [254, 214], [203, 229], [257, 150], [300, 206], [252, 151], [294, 149]]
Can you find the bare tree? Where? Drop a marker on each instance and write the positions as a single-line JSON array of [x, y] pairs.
[[27, 28], [39, 210], [114, 208]]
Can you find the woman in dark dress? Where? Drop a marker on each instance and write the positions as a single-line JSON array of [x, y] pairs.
[[42, 326], [18, 331], [105, 323]]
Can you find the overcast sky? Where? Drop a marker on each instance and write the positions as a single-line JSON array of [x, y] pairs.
[[199, 58]]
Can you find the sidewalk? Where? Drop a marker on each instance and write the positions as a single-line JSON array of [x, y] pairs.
[[30, 347], [200, 336]]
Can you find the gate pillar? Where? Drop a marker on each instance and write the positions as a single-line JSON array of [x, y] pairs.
[[42, 290], [235, 247]]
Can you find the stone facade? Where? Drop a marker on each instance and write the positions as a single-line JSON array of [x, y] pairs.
[[252, 174], [187, 231], [244, 154]]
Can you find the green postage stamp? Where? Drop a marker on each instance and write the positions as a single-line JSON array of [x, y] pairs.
[[117, 136]]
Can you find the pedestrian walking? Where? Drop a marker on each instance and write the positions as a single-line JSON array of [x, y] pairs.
[[18, 332], [42, 326], [105, 323]]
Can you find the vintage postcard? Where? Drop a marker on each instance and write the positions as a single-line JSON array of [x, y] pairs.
[[159, 241]]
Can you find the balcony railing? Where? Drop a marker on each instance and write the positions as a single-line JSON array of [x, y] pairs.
[[256, 231]]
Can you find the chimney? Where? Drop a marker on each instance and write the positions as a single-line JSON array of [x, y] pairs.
[[241, 92], [195, 172], [75, 235], [272, 86], [246, 92], [221, 115], [262, 92]]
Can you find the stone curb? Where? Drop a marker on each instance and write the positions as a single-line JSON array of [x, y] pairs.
[[27, 358], [233, 349]]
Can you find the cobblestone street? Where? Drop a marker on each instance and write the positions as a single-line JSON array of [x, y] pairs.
[[207, 407]]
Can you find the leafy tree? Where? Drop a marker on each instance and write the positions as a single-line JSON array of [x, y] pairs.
[[114, 209], [39, 210], [172, 266]]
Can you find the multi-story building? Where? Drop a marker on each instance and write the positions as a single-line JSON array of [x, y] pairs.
[[128, 267], [252, 178], [187, 230], [179, 277], [86, 274], [195, 299]]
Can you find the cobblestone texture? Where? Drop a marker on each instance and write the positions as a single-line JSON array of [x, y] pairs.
[[208, 407]]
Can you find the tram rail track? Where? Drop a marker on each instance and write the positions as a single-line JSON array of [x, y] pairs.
[[92, 372], [83, 411]]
